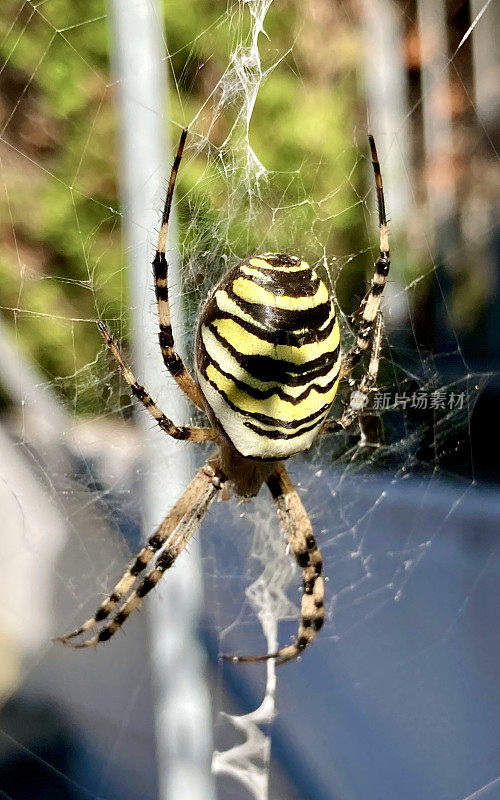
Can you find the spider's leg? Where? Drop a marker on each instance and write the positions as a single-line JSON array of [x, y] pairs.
[[360, 395], [177, 432], [372, 304], [184, 518], [172, 360], [298, 529]]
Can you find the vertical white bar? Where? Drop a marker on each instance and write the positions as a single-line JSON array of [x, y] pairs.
[[385, 78], [387, 101], [436, 110], [182, 707], [486, 62]]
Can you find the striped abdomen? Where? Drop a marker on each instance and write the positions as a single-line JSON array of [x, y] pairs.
[[268, 355]]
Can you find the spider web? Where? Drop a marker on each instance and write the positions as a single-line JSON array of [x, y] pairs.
[[276, 160]]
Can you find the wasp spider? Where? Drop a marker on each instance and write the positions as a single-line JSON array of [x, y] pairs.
[[268, 363]]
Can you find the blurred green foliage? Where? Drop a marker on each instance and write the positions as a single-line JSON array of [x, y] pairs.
[[61, 257]]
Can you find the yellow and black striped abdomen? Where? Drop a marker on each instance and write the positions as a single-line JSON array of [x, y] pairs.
[[268, 355]]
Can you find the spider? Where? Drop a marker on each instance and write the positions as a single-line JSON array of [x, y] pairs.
[[267, 367]]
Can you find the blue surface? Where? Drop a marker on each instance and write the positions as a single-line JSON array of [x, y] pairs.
[[396, 698]]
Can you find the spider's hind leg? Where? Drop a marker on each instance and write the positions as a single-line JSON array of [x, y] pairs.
[[171, 358], [360, 394], [182, 432], [381, 270]]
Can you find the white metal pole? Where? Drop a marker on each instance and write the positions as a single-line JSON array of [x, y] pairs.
[[387, 107], [436, 109], [182, 708], [486, 62], [387, 102]]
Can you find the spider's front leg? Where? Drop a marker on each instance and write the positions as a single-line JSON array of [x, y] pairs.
[[173, 534], [298, 528]]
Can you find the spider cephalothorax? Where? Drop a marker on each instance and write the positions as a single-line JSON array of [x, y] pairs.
[[268, 364]]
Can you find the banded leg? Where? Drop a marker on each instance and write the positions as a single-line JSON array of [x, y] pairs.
[[184, 518], [382, 265], [172, 360], [360, 395], [177, 432], [298, 529]]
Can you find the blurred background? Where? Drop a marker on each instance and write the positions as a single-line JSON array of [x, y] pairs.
[[398, 698]]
